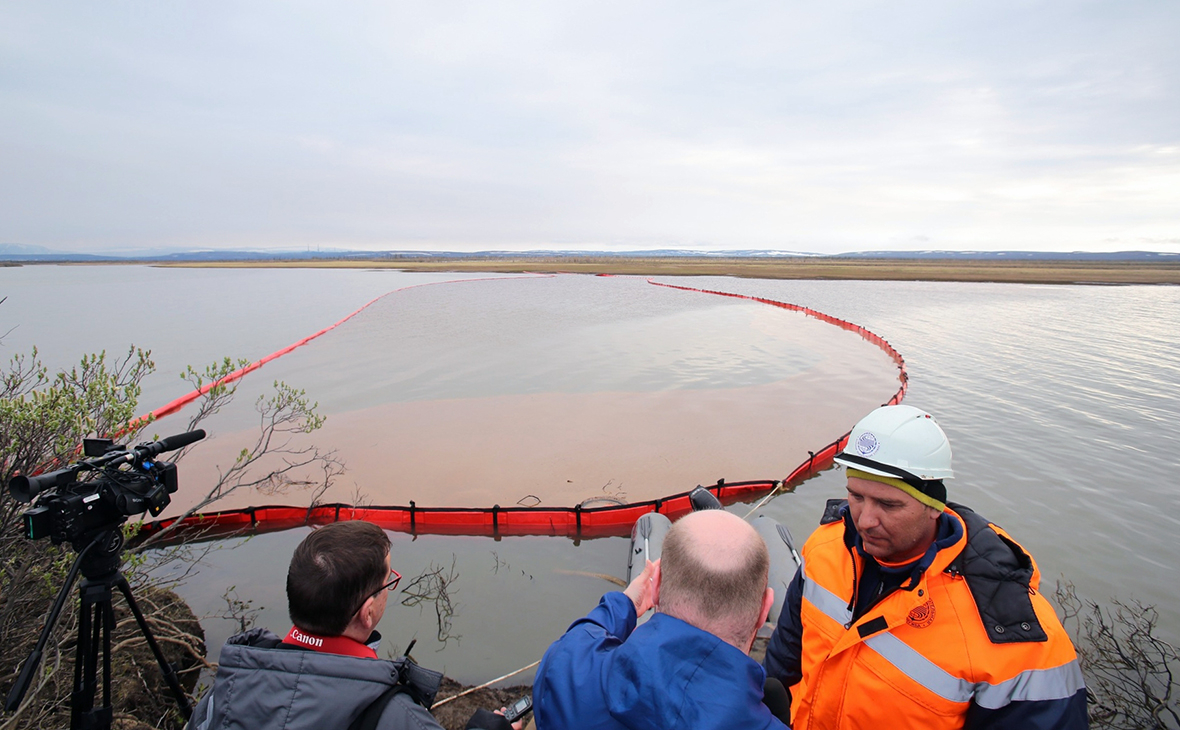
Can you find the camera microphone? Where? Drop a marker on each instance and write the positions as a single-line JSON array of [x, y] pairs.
[[169, 443]]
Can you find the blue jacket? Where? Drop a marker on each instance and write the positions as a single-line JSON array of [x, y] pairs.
[[606, 674]]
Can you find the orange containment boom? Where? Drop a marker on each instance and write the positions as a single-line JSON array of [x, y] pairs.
[[496, 521], [841, 323]]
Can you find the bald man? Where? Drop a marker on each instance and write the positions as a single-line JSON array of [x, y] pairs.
[[689, 666]]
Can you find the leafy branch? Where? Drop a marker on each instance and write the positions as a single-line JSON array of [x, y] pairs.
[[274, 462], [242, 612], [43, 419]]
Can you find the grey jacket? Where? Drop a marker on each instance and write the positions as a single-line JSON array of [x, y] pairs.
[[262, 686]]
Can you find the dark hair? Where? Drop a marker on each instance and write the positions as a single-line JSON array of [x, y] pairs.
[[726, 600], [332, 572]]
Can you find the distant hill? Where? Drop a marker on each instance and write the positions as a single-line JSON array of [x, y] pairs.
[[20, 249], [23, 252]]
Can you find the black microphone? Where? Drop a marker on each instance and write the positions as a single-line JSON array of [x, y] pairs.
[[170, 443], [777, 699]]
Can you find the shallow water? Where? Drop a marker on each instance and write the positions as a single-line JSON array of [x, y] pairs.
[[558, 390], [1062, 404]]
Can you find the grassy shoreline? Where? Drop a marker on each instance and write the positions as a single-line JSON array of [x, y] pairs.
[[1021, 272]]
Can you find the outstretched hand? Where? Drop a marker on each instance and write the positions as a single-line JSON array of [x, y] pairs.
[[518, 725], [642, 589], [484, 720]]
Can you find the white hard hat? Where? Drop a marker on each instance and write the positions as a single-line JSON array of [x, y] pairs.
[[899, 442]]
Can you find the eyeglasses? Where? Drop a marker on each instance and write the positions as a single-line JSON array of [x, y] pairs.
[[391, 585], [388, 586]]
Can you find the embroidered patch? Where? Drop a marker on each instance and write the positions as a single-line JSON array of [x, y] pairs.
[[867, 444], [922, 616]]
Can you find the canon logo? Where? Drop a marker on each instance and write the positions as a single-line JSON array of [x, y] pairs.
[[303, 638]]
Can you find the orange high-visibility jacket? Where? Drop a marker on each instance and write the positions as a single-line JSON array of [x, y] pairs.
[[972, 644]]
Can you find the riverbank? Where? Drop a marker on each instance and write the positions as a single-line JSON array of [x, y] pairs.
[[1017, 272]]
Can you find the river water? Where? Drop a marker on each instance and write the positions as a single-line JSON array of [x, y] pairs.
[[1062, 404], [549, 391]]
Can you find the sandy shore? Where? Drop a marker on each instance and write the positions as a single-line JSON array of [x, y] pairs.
[[1023, 272]]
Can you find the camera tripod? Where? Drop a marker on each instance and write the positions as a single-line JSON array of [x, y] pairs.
[[99, 563]]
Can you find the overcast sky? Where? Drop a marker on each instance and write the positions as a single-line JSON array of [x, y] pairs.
[[825, 127]]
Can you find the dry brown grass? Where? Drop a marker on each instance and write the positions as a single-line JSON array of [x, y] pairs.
[[1024, 272]]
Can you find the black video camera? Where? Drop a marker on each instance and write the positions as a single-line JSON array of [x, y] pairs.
[[117, 482]]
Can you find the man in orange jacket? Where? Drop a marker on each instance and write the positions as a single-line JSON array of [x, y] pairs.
[[909, 612]]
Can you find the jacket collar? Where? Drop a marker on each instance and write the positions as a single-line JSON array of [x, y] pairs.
[[329, 644], [668, 670]]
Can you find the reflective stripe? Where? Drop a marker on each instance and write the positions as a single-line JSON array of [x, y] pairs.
[[831, 605], [1035, 684], [1031, 685], [912, 664]]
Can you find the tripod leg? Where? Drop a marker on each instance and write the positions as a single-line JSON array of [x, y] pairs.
[[169, 674], [94, 632], [17, 694], [108, 628], [82, 699]]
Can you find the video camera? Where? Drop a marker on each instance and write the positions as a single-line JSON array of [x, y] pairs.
[[116, 483]]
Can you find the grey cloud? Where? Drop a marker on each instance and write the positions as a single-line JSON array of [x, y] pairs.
[[980, 125]]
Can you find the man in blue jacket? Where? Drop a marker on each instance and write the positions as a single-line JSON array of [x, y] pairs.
[[689, 666]]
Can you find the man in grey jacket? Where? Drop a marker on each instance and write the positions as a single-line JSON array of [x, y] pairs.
[[325, 673]]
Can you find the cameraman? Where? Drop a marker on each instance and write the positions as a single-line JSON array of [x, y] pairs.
[[325, 673]]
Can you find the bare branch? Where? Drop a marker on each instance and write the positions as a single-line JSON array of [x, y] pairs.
[[435, 585], [1130, 671]]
